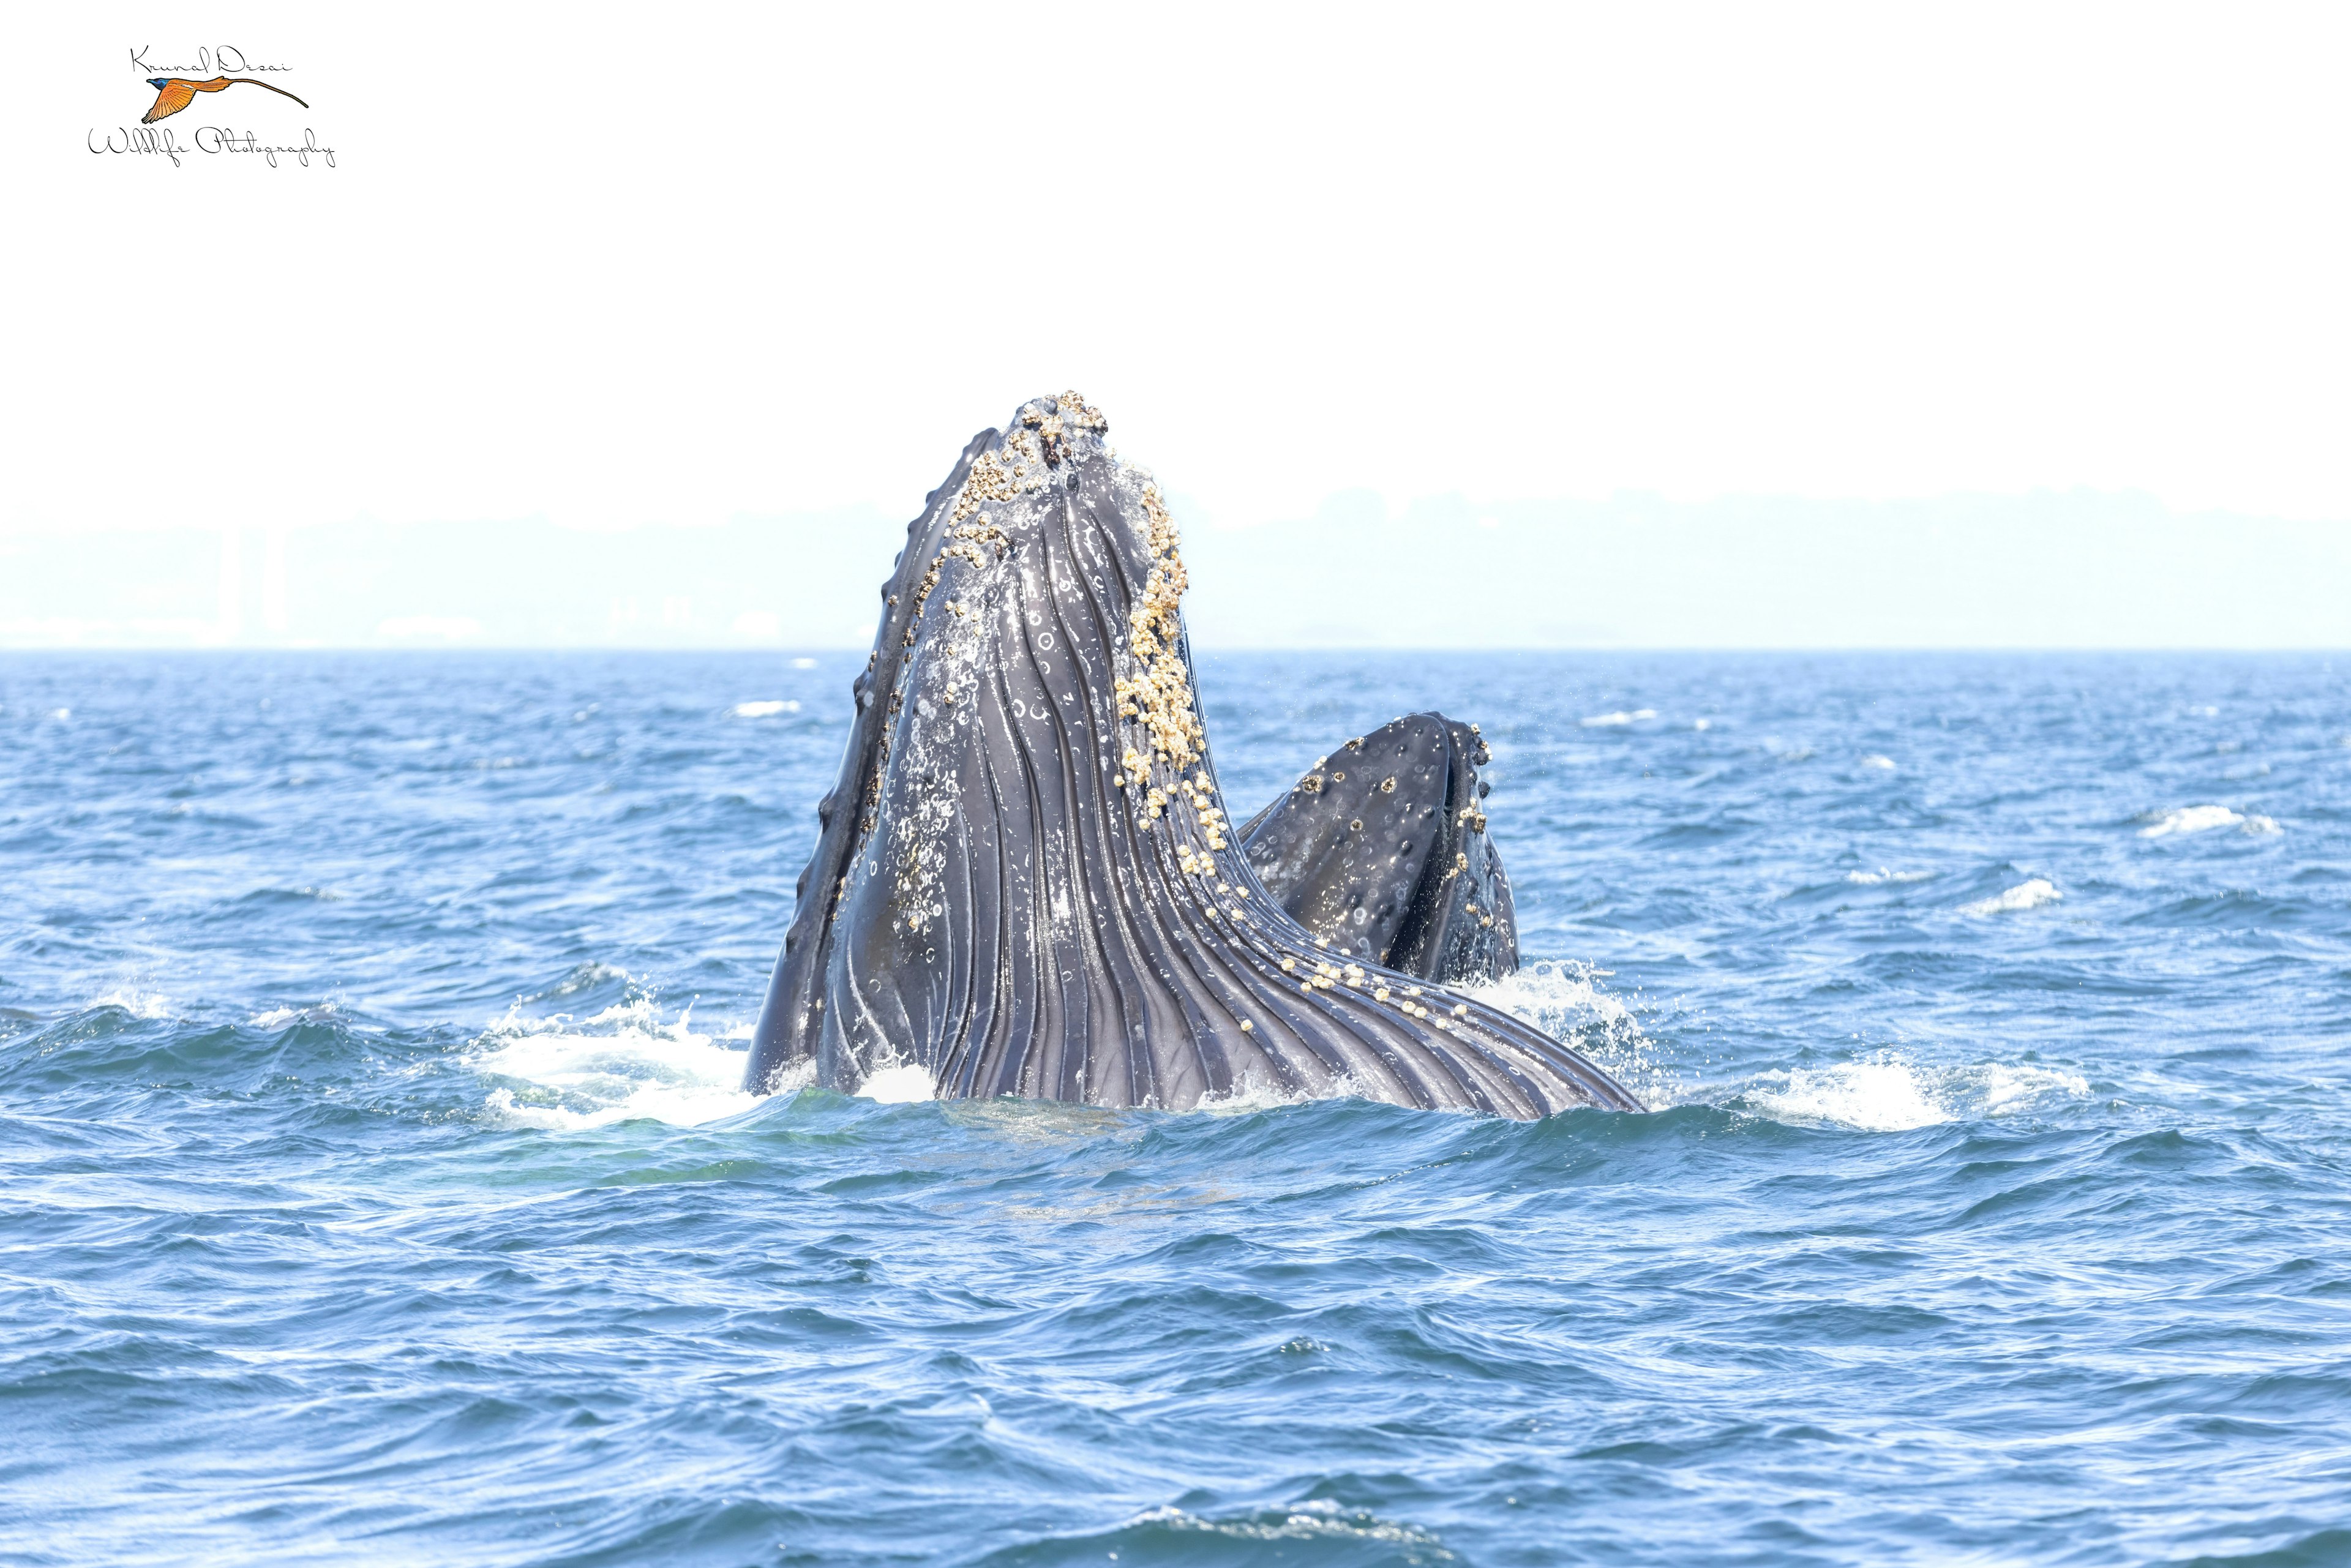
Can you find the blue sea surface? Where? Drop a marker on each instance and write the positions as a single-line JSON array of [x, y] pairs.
[[376, 1187]]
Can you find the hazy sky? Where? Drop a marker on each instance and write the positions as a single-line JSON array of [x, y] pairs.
[[613, 266]]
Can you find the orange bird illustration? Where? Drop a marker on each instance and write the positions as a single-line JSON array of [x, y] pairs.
[[173, 94]]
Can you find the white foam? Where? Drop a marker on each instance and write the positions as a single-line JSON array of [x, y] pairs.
[[1874, 1096], [2004, 1089], [2257, 823], [2190, 820], [622, 1065], [1560, 999], [61, 713], [1872, 878], [2023, 896], [1889, 1095], [317, 1012], [1600, 720], [1873, 760], [1703, 724], [803, 663], [1320, 1519], [903, 1085], [764, 709], [134, 1001], [1250, 1095]]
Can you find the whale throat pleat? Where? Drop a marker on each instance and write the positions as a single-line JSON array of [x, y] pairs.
[[1025, 881]]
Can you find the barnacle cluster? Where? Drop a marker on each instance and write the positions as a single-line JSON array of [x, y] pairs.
[[1158, 694], [992, 478], [1155, 695], [1196, 794], [980, 543]]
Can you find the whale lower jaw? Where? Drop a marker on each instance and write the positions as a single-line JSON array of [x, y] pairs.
[[1026, 881]]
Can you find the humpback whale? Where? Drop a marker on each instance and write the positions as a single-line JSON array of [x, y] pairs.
[[1026, 881], [1381, 851]]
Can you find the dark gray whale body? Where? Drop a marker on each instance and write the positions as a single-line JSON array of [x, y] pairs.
[[1024, 881], [1381, 849]]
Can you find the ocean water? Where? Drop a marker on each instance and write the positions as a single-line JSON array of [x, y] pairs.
[[375, 1184]]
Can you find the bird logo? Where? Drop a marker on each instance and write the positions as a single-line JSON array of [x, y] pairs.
[[173, 94]]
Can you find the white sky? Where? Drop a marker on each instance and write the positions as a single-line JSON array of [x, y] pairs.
[[616, 265]]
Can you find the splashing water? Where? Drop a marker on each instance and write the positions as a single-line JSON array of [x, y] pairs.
[[2030, 894], [427, 1221]]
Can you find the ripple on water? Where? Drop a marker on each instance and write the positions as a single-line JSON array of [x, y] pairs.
[[379, 1184]]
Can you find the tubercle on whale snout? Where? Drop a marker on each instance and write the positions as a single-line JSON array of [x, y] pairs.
[[1024, 881]]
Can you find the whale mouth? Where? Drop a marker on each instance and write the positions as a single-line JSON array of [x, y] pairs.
[[1025, 880]]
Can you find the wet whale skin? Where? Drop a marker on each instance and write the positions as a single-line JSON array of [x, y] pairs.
[[1024, 881], [1381, 848]]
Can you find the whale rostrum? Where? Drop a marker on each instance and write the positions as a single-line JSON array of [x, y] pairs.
[[1025, 880]]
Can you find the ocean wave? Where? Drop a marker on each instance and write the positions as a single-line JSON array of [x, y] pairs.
[[1607, 720], [1251, 1096], [592, 980], [2030, 894], [2186, 819], [278, 1018], [906, 1084], [1874, 1096], [228, 1197], [135, 1000], [295, 895], [763, 709], [2002, 1088], [1319, 1530], [2190, 819], [1884, 764], [622, 1066], [1559, 997], [1887, 1094]]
